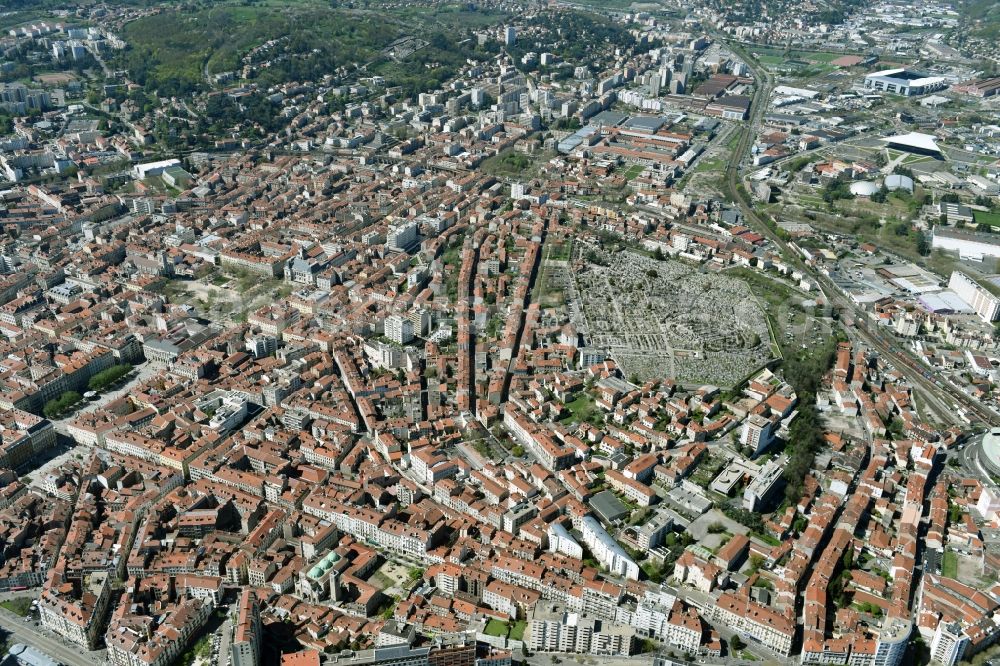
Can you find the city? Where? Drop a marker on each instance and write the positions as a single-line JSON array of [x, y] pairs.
[[440, 333]]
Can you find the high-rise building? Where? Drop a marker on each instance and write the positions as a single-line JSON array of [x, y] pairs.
[[509, 35], [892, 642], [606, 550], [398, 329], [757, 433], [949, 643], [421, 320], [762, 489], [462, 654], [402, 237]]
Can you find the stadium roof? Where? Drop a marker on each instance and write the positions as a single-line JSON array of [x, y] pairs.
[[991, 450], [914, 140], [908, 75]]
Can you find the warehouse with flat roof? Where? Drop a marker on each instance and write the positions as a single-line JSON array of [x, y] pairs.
[[968, 244], [987, 87]]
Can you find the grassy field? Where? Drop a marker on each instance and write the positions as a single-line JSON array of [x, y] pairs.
[[517, 631], [634, 171], [547, 293], [771, 291], [992, 219], [515, 164], [716, 163], [582, 408], [496, 628], [818, 62], [19, 605], [615, 4], [949, 564]]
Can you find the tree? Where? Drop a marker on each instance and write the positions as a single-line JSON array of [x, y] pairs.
[[106, 378], [59, 405], [985, 202], [923, 245], [736, 644], [835, 190]]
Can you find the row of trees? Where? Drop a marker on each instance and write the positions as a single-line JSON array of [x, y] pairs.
[[106, 378], [804, 371], [63, 403], [99, 382]]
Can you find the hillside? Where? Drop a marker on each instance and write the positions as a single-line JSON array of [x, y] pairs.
[[175, 52]]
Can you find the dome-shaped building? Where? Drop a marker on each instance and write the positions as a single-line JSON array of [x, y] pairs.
[[899, 182], [863, 188]]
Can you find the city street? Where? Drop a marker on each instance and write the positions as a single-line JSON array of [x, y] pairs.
[[61, 650], [968, 460]]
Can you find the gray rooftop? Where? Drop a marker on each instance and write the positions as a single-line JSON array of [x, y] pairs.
[[607, 506]]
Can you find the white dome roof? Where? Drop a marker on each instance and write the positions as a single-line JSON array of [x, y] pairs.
[[898, 182], [863, 188]]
